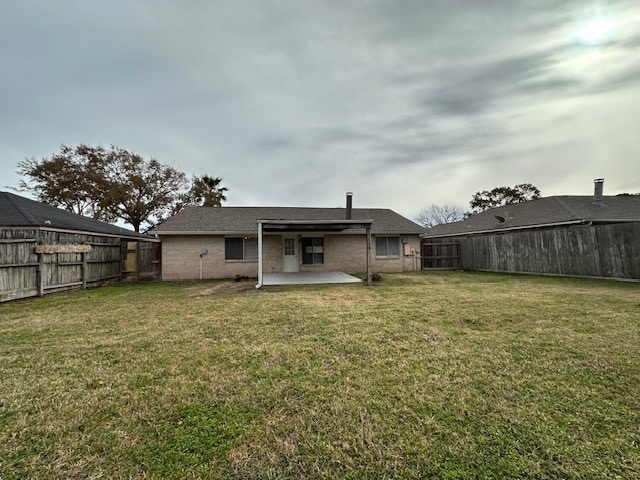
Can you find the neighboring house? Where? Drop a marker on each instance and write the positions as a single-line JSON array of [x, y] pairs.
[[596, 236], [221, 242], [45, 249]]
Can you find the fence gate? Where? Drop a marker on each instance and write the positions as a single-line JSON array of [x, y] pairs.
[[444, 255], [141, 261], [148, 260]]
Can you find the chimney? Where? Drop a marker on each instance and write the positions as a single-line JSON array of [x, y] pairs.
[[349, 205], [598, 188]]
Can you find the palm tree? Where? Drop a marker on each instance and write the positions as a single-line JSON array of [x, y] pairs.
[[207, 191]]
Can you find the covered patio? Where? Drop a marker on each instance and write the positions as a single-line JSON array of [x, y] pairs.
[[307, 226]]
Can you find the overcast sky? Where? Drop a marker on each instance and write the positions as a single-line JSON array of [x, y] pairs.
[[293, 103]]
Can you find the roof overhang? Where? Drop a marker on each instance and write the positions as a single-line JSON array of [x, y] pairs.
[[581, 221], [200, 232], [496, 230], [125, 236], [230, 233], [270, 226]]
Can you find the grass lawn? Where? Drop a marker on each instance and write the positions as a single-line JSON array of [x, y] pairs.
[[441, 375]]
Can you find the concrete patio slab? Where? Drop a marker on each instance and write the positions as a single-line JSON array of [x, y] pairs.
[[308, 278]]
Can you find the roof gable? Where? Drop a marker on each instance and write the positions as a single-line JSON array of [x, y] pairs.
[[221, 220], [18, 211]]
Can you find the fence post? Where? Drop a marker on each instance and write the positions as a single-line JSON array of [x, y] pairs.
[[84, 270], [40, 274], [138, 262]]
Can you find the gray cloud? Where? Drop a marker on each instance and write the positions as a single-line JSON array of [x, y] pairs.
[[296, 102], [632, 43], [473, 89]]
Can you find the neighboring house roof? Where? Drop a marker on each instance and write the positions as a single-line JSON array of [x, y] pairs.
[[17, 211], [547, 211], [225, 220]]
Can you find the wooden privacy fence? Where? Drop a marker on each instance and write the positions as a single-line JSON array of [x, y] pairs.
[[440, 253], [35, 262], [609, 251]]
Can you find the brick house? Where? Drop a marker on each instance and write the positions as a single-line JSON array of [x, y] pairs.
[[221, 242]]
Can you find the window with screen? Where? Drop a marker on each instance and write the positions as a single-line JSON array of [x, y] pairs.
[[240, 248], [387, 246], [312, 250]]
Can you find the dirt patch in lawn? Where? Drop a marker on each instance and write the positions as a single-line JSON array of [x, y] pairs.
[[230, 287]]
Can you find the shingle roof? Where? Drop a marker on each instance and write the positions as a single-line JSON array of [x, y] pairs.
[[545, 211], [17, 211], [244, 219]]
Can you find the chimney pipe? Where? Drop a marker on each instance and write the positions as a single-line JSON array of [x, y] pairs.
[[349, 205], [598, 188]]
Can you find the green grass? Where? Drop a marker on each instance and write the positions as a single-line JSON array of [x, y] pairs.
[[440, 375]]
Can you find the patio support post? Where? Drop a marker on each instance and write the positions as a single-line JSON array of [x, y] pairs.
[[259, 255], [369, 256]]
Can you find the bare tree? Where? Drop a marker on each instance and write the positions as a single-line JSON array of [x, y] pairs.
[[438, 214]]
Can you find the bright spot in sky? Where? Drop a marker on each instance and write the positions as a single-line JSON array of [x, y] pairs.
[[595, 31]]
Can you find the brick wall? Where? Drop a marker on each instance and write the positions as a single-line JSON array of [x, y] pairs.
[[181, 260], [405, 263]]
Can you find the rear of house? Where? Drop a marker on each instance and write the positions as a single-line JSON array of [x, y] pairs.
[[222, 242]]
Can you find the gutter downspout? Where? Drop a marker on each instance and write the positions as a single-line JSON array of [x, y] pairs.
[[259, 284], [368, 246]]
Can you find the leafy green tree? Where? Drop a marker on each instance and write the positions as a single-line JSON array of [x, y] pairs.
[[500, 196], [138, 191], [114, 183], [67, 180]]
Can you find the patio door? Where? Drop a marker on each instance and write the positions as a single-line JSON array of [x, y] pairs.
[[289, 254]]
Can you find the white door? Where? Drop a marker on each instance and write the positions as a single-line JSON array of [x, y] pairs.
[[289, 254]]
